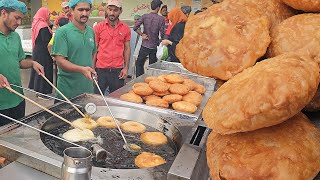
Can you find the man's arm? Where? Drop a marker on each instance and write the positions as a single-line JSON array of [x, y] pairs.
[[29, 63], [126, 54], [68, 66], [137, 29], [94, 60], [3, 82]]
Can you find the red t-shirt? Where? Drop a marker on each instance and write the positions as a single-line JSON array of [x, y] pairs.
[[110, 42], [69, 16]]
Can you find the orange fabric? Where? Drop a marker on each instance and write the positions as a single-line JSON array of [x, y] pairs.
[[176, 15], [40, 20]]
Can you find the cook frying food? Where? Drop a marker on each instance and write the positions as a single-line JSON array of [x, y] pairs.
[[76, 135], [133, 127], [154, 138], [290, 150], [264, 95], [147, 160]]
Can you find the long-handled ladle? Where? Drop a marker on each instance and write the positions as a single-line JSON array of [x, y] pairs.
[[39, 130], [126, 146], [51, 97], [42, 107], [44, 77]]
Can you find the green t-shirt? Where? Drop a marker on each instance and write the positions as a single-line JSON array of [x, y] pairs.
[[77, 47], [11, 53]]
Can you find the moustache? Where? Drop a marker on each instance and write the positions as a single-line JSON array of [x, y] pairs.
[[84, 17]]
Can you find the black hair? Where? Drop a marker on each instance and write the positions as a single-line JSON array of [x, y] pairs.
[[8, 10], [155, 4], [198, 11], [63, 21], [164, 6]]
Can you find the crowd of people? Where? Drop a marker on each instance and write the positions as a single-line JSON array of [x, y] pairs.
[[78, 50]]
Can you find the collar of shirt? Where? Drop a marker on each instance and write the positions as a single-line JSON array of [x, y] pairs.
[[75, 28], [118, 24]]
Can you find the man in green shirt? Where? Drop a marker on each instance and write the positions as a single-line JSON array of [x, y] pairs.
[[12, 59], [74, 49]]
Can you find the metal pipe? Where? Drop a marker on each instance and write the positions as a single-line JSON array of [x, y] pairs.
[[39, 130]]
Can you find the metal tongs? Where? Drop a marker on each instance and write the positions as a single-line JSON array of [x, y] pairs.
[[126, 146]]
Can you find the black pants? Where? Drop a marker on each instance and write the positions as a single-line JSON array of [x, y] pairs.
[[15, 112], [143, 53], [108, 77]]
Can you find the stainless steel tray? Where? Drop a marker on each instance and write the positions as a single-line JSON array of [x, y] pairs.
[[208, 83], [172, 67]]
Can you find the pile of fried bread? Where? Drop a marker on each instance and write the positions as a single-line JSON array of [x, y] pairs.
[[258, 129], [167, 90]]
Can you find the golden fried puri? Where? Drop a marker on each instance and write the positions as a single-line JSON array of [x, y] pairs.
[[76, 135], [314, 104], [191, 84], [133, 127], [179, 89], [162, 77], [150, 78], [142, 90], [154, 138], [304, 5], [158, 86], [224, 40], [147, 160], [157, 103], [184, 106], [174, 78], [294, 33], [161, 94], [193, 97], [264, 95], [275, 10], [171, 98], [290, 150], [200, 89], [131, 97], [147, 98]]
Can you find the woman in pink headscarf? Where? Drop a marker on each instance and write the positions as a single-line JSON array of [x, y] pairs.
[[41, 35]]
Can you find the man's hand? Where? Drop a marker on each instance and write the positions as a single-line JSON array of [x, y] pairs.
[[87, 71], [123, 73], [166, 42], [144, 37], [3, 82], [38, 68]]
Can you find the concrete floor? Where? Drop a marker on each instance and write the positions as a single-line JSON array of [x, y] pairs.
[[30, 108]]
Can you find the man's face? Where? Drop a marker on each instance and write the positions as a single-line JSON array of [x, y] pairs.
[[113, 13], [164, 12], [136, 20], [11, 20], [66, 9], [81, 12]]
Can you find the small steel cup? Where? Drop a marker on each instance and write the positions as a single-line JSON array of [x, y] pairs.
[[99, 152], [77, 164]]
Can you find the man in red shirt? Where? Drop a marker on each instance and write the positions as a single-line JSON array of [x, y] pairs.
[[113, 41], [66, 13]]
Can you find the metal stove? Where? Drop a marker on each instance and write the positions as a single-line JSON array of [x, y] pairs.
[[24, 145]]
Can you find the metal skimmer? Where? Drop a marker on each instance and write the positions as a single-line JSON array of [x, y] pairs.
[[126, 146]]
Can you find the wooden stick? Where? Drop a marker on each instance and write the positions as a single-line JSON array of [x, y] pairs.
[[44, 77], [44, 108]]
